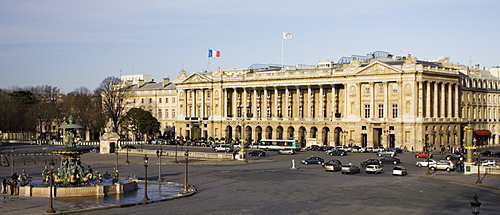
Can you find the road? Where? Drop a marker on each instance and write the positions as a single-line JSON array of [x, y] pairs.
[[267, 185]]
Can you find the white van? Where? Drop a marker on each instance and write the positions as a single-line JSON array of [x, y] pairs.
[[223, 148]]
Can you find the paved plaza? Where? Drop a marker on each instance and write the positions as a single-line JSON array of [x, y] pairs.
[[264, 185]]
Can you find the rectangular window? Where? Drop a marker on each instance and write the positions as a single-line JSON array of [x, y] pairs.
[[380, 110], [394, 88], [381, 88], [173, 113], [367, 111], [159, 114], [166, 113], [166, 100], [367, 89], [394, 110], [159, 100], [142, 100], [150, 100], [173, 100]]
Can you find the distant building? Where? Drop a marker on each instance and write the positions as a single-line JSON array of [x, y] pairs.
[[372, 100]]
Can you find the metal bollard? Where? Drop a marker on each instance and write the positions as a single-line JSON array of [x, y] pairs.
[[293, 164]]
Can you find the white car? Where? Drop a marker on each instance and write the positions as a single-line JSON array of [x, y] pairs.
[[488, 163], [373, 169], [287, 151], [425, 163], [399, 170]]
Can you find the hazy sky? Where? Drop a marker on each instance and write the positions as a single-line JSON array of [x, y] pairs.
[[69, 44]]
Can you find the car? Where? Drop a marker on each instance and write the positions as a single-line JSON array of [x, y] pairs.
[[312, 160], [286, 151], [399, 150], [488, 153], [128, 147], [375, 169], [425, 162], [223, 148], [333, 165], [254, 146], [370, 162], [393, 160], [338, 152], [96, 150], [356, 149], [399, 170], [488, 162], [314, 148], [369, 149], [442, 165], [377, 149], [423, 155], [259, 153], [350, 168], [456, 156], [387, 152]]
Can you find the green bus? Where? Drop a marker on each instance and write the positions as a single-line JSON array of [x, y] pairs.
[[266, 144]]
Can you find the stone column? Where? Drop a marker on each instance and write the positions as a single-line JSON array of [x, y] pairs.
[[435, 101], [274, 109], [457, 103], [285, 109], [428, 100], [254, 103], [443, 99], [307, 103], [321, 102], [263, 109], [244, 102], [420, 98], [235, 102], [450, 101]]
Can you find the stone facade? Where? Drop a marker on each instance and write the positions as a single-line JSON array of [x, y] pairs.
[[377, 100]]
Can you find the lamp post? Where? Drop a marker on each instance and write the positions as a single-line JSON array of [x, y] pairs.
[[159, 165], [145, 198], [127, 162], [116, 165], [51, 208], [12, 156], [186, 156], [427, 154], [242, 153], [475, 205], [479, 167], [176, 152]]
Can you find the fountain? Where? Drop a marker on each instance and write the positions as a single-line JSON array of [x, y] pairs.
[[71, 178], [70, 171]]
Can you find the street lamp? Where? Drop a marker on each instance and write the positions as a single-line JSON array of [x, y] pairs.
[[51, 208], [159, 165], [12, 156], [145, 198], [186, 156], [475, 205], [479, 167]]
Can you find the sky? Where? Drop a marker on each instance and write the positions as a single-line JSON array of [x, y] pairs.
[[73, 44]]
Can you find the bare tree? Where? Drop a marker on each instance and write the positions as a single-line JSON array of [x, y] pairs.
[[114, 99], [87, 109]]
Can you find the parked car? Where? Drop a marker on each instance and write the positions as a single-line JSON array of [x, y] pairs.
[[128, 147], [393, 160], [312, 160], [423, 155], [456, 156], [254, 146], [259, 153], [387, 152], [333, 165], [357, 149], [314, 148], [286, 151], [370, 162], [425, 162], [369, 149], [399, 170], [488, 153], [223, 148], [377, 149], [488, 162], [338, 152], [375, 169], [350, 168], [399, 150], [442, 165]]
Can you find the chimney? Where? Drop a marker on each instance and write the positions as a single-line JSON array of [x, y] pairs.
[[166, 81]]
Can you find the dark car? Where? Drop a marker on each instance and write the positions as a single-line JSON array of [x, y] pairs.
[[314, 148], [128, 147], [370, 162], [488, 153], [456, 156], [312, 160], [259, 153], [392, 160], [350, 168], [333, 165], [338, 152]]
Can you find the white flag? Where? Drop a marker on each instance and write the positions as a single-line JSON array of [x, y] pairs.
[[287, 35]]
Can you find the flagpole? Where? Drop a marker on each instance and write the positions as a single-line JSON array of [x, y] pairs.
[[282, 45], [208, 59]]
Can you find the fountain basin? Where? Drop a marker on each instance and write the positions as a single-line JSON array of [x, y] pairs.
[[76, 191]]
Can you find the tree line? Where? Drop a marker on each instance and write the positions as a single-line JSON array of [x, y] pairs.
[[29, 109]]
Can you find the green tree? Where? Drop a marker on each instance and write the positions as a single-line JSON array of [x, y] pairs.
[[140, 122]]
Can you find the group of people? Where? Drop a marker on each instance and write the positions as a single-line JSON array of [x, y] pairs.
[[13, 184]]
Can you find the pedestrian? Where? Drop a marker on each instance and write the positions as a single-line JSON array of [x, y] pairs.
[[462, 166], [157, 153], [4, 185], [234, 154]]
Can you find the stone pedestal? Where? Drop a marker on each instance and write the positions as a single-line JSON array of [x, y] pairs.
[[109, 142]]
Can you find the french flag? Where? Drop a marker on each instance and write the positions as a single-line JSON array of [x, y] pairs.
[[213, 53]]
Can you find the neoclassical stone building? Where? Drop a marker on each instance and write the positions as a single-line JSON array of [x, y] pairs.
[[373, 100]]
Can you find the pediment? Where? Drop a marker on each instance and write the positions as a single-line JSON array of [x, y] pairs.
[[378, 68], [196, 78]]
